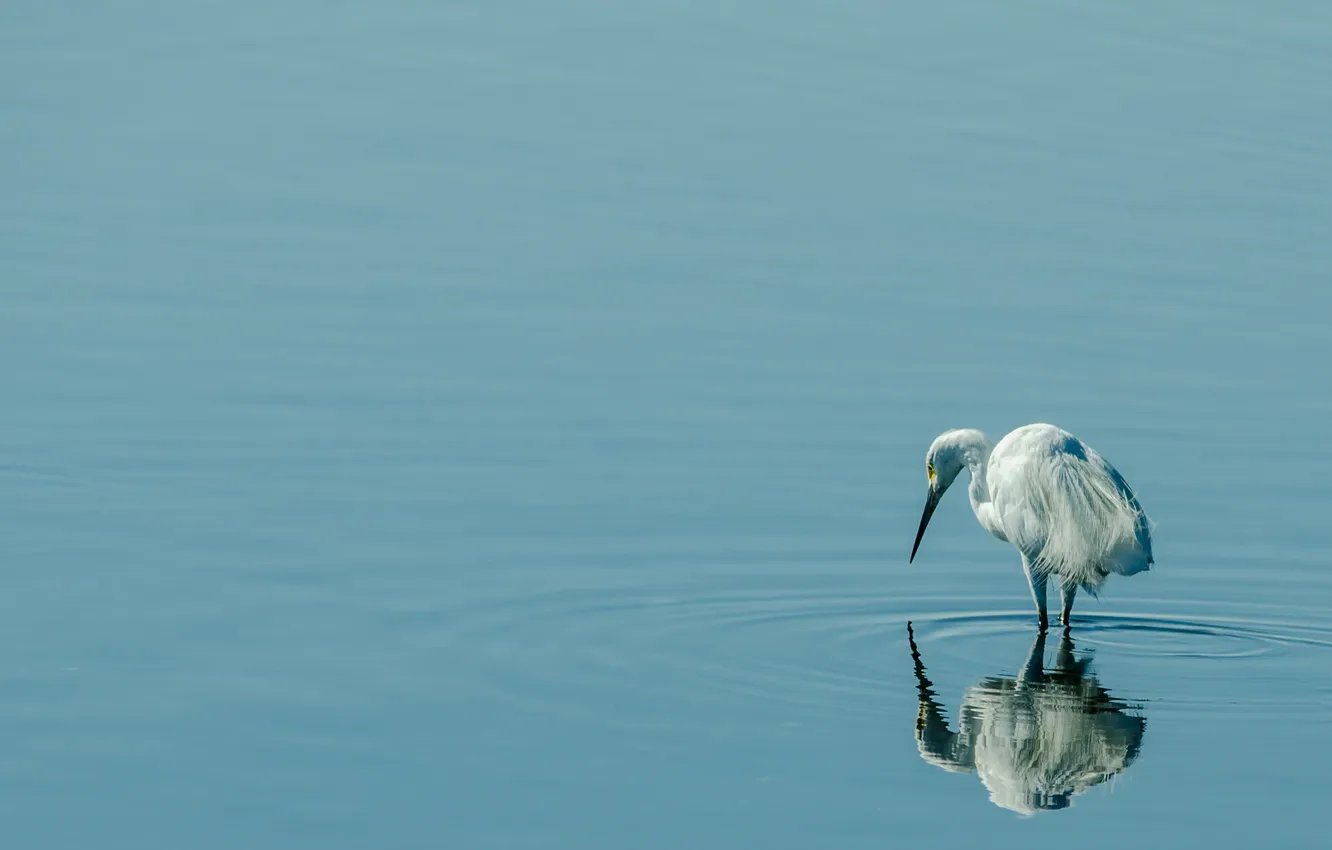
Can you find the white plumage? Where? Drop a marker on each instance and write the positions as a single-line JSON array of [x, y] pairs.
[[1069, 513]]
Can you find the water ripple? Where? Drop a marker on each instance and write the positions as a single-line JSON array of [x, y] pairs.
[[582, 651], [1147, 635]]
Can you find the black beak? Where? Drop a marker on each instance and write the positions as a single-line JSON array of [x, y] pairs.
[[931, 502]]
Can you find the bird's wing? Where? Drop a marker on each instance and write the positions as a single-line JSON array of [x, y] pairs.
[[1065, 507]]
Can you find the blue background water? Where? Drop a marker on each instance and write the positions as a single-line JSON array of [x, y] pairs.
[[502, 425]]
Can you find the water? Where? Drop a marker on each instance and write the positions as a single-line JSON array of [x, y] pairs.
[[502, 425]]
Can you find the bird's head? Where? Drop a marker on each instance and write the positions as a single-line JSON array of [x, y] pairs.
[[947, 457], [949, 454]]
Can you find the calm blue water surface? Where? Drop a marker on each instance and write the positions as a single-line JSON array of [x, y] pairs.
[[502, 425]]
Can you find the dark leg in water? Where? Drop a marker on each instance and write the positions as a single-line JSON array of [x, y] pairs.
[[1066, 594], [1037, 582]]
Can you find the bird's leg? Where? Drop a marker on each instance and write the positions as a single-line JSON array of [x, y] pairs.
[[1034, 670], [1065, 661], [1037, 581], [1067, 590]]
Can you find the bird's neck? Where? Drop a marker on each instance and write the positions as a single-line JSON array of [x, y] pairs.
[[974, 448], [977, 456]]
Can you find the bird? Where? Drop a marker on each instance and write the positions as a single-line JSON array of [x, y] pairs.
[[1067, 510], [1037, 739]]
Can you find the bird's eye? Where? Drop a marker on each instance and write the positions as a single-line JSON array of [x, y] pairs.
[[929, 470]]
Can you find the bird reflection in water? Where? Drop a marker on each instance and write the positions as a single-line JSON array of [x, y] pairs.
[[1036, 740]]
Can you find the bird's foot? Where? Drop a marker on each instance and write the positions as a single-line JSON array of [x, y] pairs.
[[1045, 624]]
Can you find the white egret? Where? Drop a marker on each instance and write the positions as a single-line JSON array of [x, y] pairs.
[[1069, 512], [1035, 740]]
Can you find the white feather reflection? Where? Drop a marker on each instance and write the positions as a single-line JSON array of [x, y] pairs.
[[1036, 740]]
